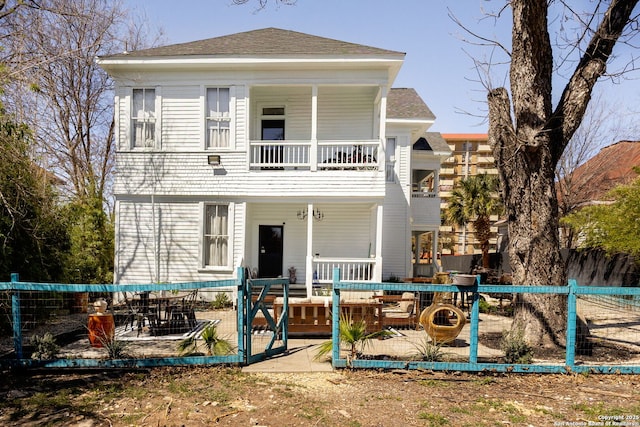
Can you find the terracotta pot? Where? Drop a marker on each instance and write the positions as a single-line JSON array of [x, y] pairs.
[[101, 329]]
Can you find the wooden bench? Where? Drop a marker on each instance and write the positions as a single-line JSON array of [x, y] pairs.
[[313, 315]]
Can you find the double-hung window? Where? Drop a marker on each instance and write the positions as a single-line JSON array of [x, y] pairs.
[[216, 235], [143, 118], [217, 117], [390, 173]]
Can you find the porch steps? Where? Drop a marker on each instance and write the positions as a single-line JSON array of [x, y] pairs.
[[295, 291]]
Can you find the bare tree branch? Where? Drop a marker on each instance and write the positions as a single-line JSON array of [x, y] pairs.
[[576, 95]]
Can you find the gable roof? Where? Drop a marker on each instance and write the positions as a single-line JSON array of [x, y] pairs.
[[432, 141], [263, 42], [611, 167], [405, 103]]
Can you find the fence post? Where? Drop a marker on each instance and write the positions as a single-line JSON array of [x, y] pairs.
[[572, 301], [475, 318], [17, 318], [335, 317], [241, 305]]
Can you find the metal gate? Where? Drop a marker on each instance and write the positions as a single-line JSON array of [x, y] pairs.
[[265, 330]]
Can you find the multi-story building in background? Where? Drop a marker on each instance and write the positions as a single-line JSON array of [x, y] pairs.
[[471, 155]]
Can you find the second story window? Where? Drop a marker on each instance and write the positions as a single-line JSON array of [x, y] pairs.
[[217, 117], [143, 117], [390, 173]]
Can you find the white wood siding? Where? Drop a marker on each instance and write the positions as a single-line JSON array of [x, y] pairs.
[[241, 118], [189, 174], [123, 116], [178, 227], [182, 118], [345, 113], [396, 247], [297, 103]]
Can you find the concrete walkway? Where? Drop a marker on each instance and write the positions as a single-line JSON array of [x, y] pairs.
[[299, 358]]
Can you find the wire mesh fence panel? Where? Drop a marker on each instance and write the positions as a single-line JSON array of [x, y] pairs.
[[474, 328], [613, 322], [85, 325]]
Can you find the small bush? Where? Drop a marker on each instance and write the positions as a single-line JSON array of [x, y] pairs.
[[515, 347], [116, 349], [221, 301], [45, 347], [485, 307], [427, 351]]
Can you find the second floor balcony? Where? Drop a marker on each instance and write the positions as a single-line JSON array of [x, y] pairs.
[[314, 155]]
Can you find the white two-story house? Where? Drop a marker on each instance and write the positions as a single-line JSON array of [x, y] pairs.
[[270, 149]]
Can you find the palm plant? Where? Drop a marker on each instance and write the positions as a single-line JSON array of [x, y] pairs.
[[213, 343], [474, 200], [353, 334]]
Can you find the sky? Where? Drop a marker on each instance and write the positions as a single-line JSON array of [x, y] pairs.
[[439, 61]]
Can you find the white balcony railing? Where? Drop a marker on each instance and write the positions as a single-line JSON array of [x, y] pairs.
[[279, 154], [321, 155], [351, 269], [424, 194]]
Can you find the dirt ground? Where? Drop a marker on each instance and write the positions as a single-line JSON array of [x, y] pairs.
[[226, 396]]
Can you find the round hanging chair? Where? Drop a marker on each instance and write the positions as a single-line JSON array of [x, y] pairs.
[[442, 322]]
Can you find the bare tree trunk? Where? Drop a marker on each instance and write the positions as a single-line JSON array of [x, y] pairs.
[[527, 149]]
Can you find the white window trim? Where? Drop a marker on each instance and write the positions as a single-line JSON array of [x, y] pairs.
[[261, 117], [157, 143], [230, 232], [391, 156], [232, 118]]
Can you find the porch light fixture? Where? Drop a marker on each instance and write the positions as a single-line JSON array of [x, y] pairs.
[[318, 215], [213, 159]]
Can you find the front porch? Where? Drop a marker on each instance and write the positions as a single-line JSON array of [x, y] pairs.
[[309, 240]]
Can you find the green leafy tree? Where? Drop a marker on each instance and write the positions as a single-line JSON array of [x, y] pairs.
[[91, 232], [474, 200], [614, 227], [33, 237]]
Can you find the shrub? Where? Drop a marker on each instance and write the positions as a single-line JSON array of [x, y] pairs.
[[45, 347], [427, 351], [221, 301], [515, 347]]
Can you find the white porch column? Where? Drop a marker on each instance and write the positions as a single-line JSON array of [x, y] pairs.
[[377, 276], [313, 150], [383, 126], [309, 270]]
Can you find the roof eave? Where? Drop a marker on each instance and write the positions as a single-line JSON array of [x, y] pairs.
[[119, 62]]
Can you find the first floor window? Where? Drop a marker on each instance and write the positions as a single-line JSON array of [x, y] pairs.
[[143, 117], [216, 236]]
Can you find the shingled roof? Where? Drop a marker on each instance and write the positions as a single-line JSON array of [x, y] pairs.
[[434, 142], [405, 103], [611, 167], [263, 42]]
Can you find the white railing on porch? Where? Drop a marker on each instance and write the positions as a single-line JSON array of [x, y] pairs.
[[320, 155], [278, 154], [351, 269], [423, 194]]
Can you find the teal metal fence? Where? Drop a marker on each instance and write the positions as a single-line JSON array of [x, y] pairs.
[[144, 325], [613, 314]]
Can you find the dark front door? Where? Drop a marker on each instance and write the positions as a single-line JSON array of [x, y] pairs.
[[270, 247]]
